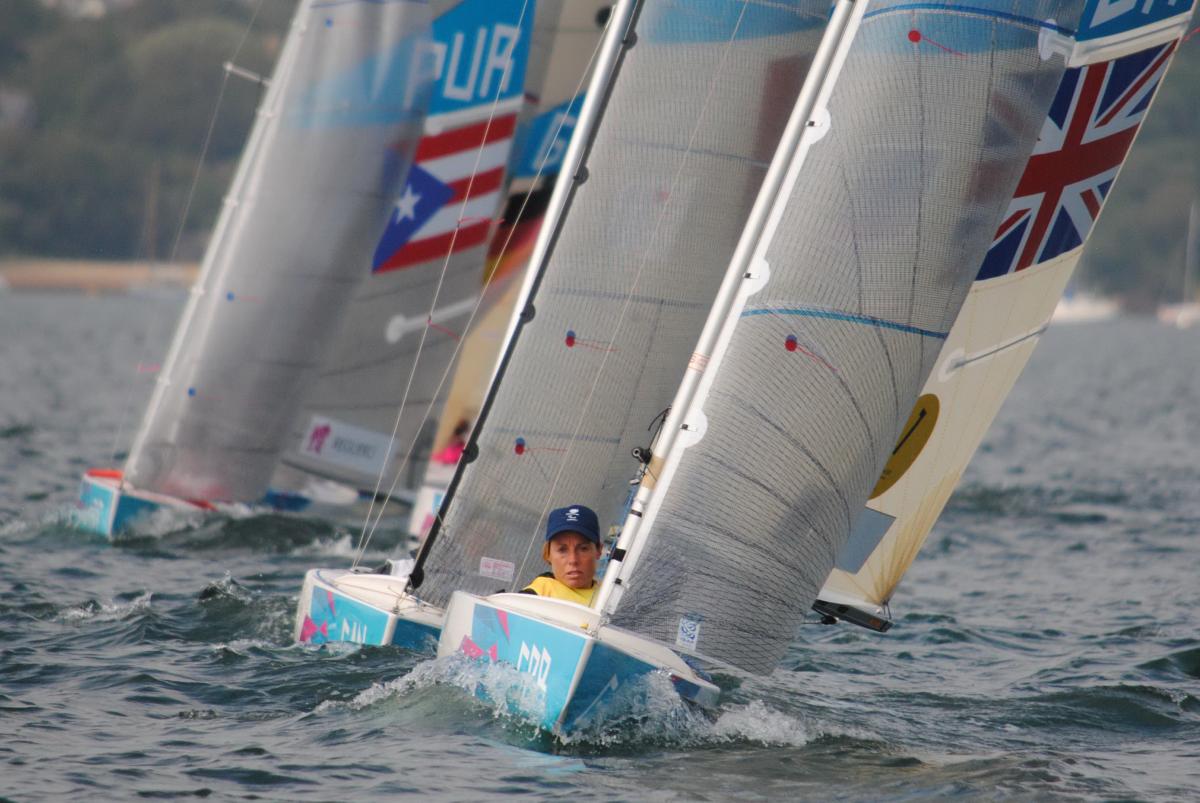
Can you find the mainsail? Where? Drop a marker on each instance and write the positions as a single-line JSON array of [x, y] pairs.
[[381, 373], [892, 199], [332, 144], [626, 279], [565, 37], [1117, 61]]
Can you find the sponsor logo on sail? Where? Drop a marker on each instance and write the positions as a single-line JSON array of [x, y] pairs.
[[346, 445], [1111, 17]]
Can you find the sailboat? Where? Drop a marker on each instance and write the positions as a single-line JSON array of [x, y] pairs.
[[332, 144], [908, 178], [1115, 65], [1186, 313], [1078, 306], [371, 607]]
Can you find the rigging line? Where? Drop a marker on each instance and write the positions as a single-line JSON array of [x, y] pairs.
[[637, 276], [156, 318], [467, 328], [367, 528]]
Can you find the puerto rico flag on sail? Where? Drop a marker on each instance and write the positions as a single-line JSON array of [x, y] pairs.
[[477, 57], [1083, 143]]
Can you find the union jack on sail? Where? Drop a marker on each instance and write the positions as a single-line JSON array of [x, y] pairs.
[[1083, 143]]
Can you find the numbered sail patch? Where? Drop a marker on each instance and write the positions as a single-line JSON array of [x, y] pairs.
[[497, 569], [913, 438]]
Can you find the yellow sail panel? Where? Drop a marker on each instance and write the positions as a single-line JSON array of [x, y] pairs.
[[986, 351]]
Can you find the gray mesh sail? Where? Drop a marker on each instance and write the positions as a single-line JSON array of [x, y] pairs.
[[693, 117], [383, 370], [332, 143], [933, 119]]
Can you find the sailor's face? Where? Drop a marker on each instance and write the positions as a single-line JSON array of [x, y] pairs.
[[573, 559]]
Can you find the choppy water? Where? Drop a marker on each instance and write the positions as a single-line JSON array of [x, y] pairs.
[[1046, 644]]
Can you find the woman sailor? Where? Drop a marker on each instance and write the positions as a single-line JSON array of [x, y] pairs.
[[572, 549]]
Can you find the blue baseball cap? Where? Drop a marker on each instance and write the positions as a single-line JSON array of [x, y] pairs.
[[574, 519]]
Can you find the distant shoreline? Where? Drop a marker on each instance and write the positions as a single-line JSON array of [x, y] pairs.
[[91, 276]]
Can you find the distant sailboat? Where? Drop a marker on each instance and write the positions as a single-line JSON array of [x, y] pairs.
[[1080, 307], [1186, 313], [331, 146]]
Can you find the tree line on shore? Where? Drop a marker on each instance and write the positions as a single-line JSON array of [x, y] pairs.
[[105, 140], [103, 163]]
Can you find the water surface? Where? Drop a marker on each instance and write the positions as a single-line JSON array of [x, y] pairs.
[[1045, 644]]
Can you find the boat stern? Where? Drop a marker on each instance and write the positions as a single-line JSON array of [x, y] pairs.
[[105, 508]]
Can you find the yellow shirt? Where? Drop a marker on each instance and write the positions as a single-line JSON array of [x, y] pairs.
[[547, 586]]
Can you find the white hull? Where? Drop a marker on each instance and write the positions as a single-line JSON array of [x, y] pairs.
[[109, 508]]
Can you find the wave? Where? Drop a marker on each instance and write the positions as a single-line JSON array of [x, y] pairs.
[[643, 713], [105, 611]]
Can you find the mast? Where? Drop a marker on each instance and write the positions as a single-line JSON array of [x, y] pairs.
[[746, 274], [615, 42]]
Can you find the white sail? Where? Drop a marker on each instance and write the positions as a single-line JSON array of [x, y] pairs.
[[625, 277], [332, 143], [892, 179], [565, 37], [380, 374], [1098, 108], [848, 294]]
